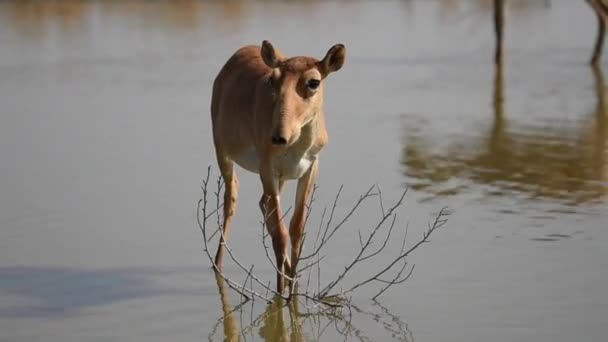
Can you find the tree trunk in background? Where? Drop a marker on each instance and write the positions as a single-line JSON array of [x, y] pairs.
[[499, 23], [601, 10]]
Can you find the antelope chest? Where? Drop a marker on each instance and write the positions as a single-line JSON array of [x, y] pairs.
[[293, 164]]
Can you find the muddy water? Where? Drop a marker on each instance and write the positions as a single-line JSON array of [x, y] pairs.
[[105, 136]]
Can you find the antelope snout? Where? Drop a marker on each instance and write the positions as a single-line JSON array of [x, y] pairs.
[[278, 140]]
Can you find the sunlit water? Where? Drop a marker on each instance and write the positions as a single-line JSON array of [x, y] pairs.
[[105, 136]]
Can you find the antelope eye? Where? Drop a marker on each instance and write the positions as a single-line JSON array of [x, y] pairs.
[[313, 84]]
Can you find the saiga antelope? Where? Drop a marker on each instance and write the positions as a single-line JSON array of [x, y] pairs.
[[267, 116]]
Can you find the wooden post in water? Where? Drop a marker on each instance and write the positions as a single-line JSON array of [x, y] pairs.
[[499, 24], [601, 10]]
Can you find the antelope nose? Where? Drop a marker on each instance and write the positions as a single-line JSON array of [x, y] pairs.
[[278, 140]]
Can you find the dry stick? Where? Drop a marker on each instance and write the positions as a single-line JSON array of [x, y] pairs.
[[360, 238], [229, 281], [294, 267], [359, 256], [395, 280], [264, 235], [380, 199], [321, 296], [202, 225], [381, 248], [325, 237], [308, 211], [310, 202], [229, 250], [314, 247], [217, 206], [233, 285], [248, 275], [242, 330], [214, 211], [438, 223], [252, 303], [241, 289], [211, 213], [311, 264], [267, 287], [219, 185], [407, 228], [218, 228], [305, 295], [318, 276], [315, 251]]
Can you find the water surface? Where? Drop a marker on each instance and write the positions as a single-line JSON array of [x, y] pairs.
[[105, 136]]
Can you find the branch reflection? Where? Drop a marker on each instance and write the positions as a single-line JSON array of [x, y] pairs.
[[292, 321]]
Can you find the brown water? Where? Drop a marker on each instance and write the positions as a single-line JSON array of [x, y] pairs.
[[105, 135]]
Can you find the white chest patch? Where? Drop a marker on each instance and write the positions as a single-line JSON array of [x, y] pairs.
[[290, 165]]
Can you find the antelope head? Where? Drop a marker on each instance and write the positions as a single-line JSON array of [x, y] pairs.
[[297, 87]]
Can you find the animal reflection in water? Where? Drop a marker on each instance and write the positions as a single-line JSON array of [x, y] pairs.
[[567, 164], [301, 323]]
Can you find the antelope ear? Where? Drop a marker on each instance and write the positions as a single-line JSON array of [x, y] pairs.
[[333, 60], [271, 57]]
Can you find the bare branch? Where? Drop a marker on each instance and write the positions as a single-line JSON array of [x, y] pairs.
[[241, 289], [367, 243], [266, 250], [248, 276], [311, 263], [326, 238], [310, 203], [323, 296], [388, 235], [396, 280], [380, 199], [437, 223]]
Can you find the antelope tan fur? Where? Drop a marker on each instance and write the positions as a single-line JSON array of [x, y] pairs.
[[267, 116]]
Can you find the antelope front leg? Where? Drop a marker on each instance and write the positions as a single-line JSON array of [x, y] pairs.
[[296, 227], [271, 209], [231, 184]]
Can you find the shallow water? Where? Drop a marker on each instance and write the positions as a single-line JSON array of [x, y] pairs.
[[105, 137]]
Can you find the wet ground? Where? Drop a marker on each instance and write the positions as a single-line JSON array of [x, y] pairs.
[[105, 136]]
